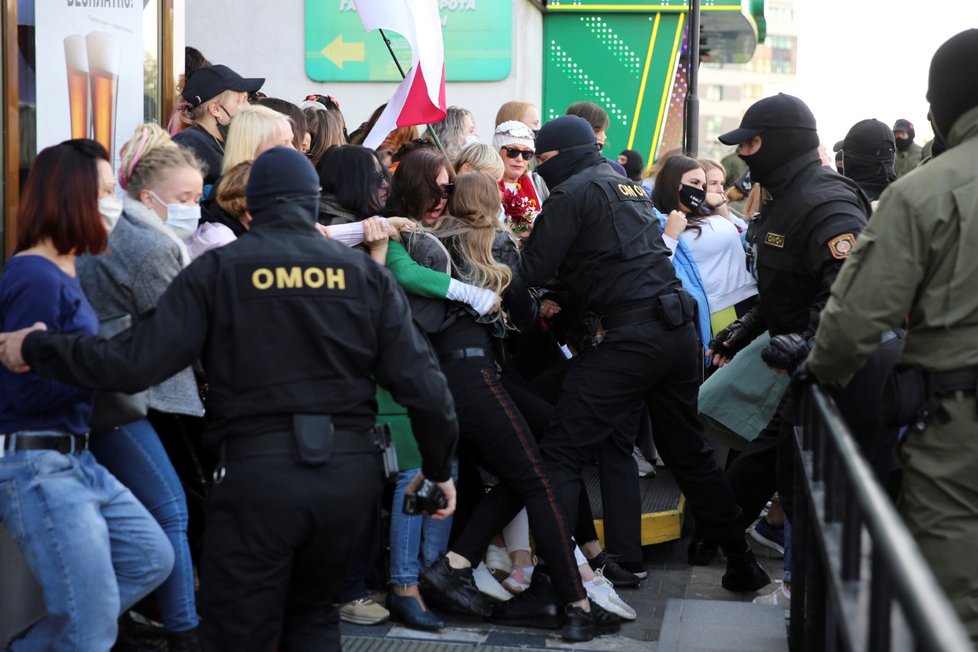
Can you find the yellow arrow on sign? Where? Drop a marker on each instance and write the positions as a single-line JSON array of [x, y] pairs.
[[339, 52]]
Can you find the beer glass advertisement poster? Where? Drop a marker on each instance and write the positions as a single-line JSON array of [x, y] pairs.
[[89, 71]]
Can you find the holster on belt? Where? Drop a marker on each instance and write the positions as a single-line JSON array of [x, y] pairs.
[[912, 395], [313, 436]]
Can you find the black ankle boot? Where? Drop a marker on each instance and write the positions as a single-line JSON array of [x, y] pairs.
[[535, 607], [744, 574], [702, 552], [188, 641]]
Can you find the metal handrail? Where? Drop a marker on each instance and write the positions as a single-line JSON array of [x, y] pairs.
[[841, 516]]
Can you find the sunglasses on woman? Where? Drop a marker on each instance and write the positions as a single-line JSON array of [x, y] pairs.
[[447, 189], [512, 152]]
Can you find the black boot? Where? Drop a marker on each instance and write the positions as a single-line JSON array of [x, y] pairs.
[[188, 641], [744, 574], [701, 552], [535, 607], [580, 625], [456, 586]]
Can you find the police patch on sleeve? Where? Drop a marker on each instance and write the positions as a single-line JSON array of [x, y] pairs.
[[841, 246]]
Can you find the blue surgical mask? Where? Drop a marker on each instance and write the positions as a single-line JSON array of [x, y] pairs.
[[180, 218]]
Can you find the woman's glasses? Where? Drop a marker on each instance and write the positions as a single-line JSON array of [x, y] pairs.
[[447, 189], [512, 152]]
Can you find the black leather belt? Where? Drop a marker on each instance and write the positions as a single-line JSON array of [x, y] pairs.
[[37, 440], [638, 315], [956, 380], [345, 442], [462, 354]]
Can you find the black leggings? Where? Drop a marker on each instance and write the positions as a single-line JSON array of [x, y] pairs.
[[493, 432]]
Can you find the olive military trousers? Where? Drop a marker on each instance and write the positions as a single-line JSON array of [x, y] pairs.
[[939, 502]]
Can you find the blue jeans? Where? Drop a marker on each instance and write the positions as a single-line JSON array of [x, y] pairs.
[[92, 546], [415, 540], [134, 454]]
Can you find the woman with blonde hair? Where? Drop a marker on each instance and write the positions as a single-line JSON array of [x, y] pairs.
[[480, 157], [254, 130], [163, 184], [493, 434], [225, 218]]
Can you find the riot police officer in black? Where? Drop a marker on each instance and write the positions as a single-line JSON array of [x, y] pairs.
[[802, 236], [293, 331], [598, 234]]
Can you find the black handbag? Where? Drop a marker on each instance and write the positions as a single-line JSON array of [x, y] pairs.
[[114, 409]]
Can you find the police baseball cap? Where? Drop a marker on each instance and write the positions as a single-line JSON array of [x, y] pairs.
[[208, 83], [777, 112], [870, 138]]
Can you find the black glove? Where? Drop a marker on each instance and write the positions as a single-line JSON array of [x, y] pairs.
[[802, 378], [786, 352], [741, 332]]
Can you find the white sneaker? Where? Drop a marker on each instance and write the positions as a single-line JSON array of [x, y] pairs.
[[779, 597], [497, 559], [487, 584], [645, 469], [602, 591]]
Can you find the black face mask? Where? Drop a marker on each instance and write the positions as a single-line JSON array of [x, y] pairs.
[[564, 165], [692, 197], [223, 129], [903, 144]]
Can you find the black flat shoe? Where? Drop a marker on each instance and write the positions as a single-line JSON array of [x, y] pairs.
[[456, 586], [608, 565], [405, 608]]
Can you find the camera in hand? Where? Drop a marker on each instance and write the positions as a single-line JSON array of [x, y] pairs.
[[427, 500]]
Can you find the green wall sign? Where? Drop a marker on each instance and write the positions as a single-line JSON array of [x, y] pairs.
[[622, 62], [478, 38]]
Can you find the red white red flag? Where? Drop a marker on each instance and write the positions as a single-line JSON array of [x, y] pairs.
[[420, 98]]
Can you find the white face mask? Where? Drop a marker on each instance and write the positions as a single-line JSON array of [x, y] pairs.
[[470, 139], [110, 208], [181, 219]]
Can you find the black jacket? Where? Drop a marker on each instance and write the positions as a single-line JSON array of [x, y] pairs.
[[286, 322], [206, 148], [803, 235], [598, 233]]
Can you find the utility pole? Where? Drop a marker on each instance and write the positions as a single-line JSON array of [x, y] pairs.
[[691, 129]]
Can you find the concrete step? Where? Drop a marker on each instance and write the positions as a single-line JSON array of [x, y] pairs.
[[718, 626]]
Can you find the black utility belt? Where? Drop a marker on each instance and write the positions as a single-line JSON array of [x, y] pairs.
[[465, 354], [345, 442], [672, 309], [945, 383], [50, 440]]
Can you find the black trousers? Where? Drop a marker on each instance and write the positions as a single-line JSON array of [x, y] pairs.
[[643, 363], [621, 499], [278, 540], [766, 464], [493, 432]]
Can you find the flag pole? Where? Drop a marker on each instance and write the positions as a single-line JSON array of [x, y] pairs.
[[431, 131]]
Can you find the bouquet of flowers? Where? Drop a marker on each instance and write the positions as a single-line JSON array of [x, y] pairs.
[[520, 209]]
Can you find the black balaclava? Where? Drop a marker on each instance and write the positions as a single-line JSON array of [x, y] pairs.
[[778, 146], [869, 156], [574, 138], [281, 181], [633, 164], [952, 88]]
